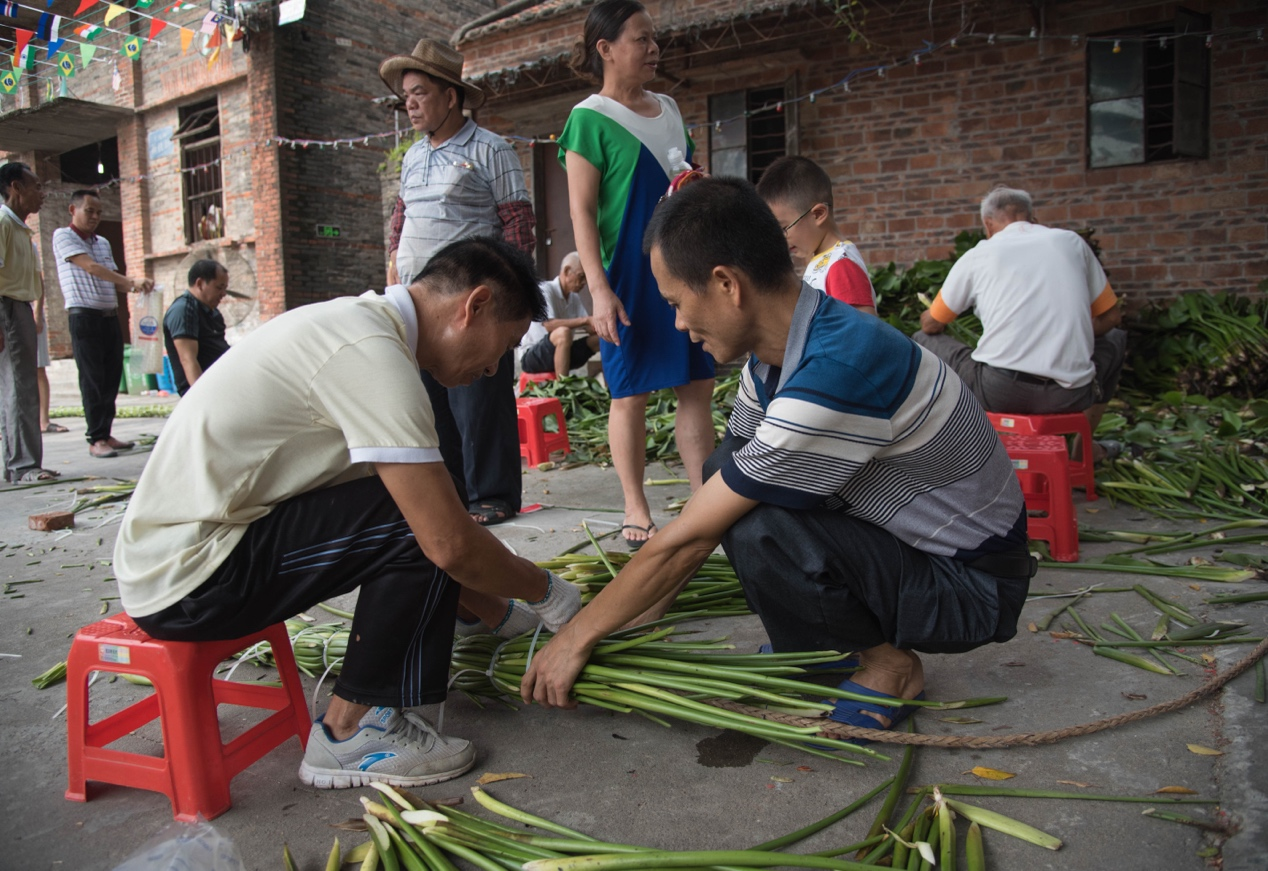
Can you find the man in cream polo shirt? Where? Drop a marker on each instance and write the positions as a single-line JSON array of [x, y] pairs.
[[307, 465]]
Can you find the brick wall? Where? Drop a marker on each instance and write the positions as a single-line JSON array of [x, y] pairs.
[[912, 153], [327, 79]]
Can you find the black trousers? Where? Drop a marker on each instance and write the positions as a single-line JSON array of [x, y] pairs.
[[97, 345], [823, 580], [322, 544], [479, 434]]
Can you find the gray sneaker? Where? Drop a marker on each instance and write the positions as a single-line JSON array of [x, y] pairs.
[[399, 749]]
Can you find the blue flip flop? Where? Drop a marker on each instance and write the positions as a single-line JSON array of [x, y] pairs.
[[845, 662], [850, 711]]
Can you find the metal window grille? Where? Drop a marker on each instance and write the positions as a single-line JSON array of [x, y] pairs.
[[201, 179]]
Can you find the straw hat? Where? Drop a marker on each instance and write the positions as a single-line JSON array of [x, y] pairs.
[[436, 59]]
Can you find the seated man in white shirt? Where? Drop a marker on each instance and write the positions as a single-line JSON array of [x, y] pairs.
[[550, 346], [330, 487], [1049, 340]]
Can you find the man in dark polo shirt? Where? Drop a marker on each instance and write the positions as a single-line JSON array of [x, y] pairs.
[[193, 330]]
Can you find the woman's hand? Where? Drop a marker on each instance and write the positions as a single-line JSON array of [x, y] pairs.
[[607, 312]]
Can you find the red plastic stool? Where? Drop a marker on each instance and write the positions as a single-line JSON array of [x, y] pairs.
[[533, 377], [1042, 467], [195, 768], [1081, 474], [535, 443]]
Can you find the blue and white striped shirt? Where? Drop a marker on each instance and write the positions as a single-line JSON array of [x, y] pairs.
[[860, 419]]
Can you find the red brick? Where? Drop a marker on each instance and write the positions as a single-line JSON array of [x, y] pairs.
[[52, 521]]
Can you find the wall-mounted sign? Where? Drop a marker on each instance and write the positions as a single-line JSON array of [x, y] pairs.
[[159, 143], [327, 231], [290, 10]]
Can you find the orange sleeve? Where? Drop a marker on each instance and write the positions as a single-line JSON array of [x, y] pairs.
[[1106, 301], [940, 311]]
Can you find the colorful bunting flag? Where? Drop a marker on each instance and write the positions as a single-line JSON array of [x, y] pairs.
[[9, 81], [84, 6], [65, 65], [114, 12], [231, 29], [88, 31], [187, 36], [212, 59], [54, 39], [21, 38], [28, 58], [143, 4], [131, 48], [42, 29], [86, 52], [210, 23], [156, 24], [9, 9]]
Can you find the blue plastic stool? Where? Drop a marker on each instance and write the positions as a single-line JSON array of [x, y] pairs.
[[166, 380]]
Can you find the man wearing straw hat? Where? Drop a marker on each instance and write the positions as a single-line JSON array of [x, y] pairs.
[[459, 181]]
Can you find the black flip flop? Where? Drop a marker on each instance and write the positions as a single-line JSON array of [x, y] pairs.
[[491, 512], [635, 544]]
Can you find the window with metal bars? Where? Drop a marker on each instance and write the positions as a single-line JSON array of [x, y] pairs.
[[199, 137], [1149, 93], [747, 134]]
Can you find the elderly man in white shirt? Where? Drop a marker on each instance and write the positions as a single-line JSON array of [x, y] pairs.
[[1050, 343], [551, 346]]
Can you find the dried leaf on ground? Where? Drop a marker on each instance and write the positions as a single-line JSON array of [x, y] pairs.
[[1134, 697], [1077, 783], [959, 721], [490, 777], [1174, 790], [782, 779], [989, 773], [1032, 627], [1203, 751]]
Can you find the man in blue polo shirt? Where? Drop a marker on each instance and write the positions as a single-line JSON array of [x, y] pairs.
[[860, 493], [193, 328]]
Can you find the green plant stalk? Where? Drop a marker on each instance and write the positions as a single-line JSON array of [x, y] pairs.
[[1044, 622], [974, 852], [1175, 612], [831, 819], [488, 802], [946, 838], [1237, 597], [923, 822], [932, 838], [694, 859], [1197, 573], [462, 851], [1007, 825], [1206, 642], [901, 850], [1133, 635], [1172, 817], [1261, 687], [1130, 659], [896, 790], [1086, 629], [1015, 792]]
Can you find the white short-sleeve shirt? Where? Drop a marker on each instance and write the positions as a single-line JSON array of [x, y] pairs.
[[308, 400]]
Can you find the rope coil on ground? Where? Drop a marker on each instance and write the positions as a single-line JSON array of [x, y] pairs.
[[1024, 739]]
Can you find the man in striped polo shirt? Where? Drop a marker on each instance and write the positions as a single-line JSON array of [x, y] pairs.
[[86, 271], [458, 181], [860, 492]]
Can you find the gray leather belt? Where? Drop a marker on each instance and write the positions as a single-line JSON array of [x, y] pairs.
[[98, 312]]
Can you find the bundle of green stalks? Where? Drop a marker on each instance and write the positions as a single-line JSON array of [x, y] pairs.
[[650, 674], [407, 832], [714, 591]]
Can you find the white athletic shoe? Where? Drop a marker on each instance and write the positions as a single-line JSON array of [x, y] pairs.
[[399, 749]]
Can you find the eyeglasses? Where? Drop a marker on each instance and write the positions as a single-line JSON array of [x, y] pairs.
[[799, 217]]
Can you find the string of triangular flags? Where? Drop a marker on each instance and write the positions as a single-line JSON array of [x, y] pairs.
[[217, 31]]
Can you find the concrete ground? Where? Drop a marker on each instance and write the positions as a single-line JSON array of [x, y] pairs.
[[624, 778]]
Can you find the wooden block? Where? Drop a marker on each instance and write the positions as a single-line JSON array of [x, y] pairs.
[[52, 521]]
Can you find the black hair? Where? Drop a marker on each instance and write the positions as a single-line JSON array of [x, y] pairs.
[[205, 269], [440, 83], [605, 21], [9, 173], [77, 198], [468, 263], [797, 182], [719, 222]]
